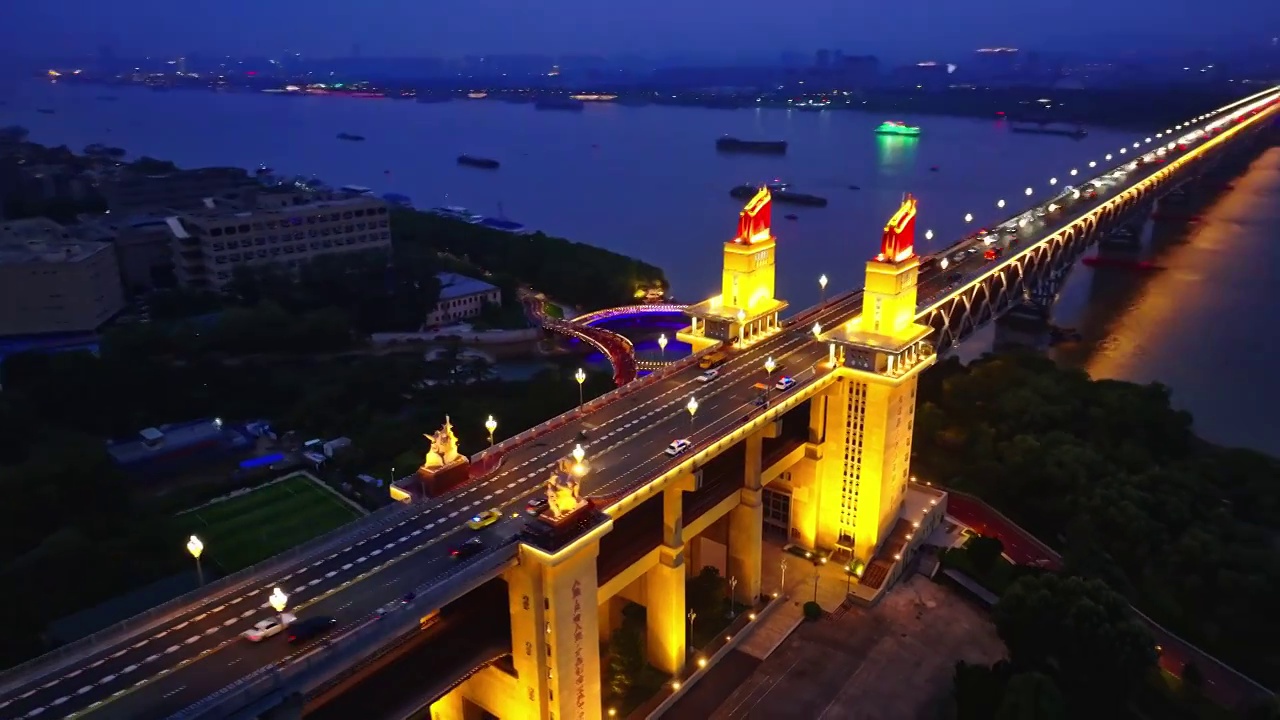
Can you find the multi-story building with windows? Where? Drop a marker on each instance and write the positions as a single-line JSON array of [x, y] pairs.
[[461, 297], [130, 190], [211, 242], [52, 282]]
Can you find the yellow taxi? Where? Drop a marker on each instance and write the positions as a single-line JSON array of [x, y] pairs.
[[484, 519]]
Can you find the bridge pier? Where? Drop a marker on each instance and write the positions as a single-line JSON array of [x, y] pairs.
[[746, 525], [554, 634]]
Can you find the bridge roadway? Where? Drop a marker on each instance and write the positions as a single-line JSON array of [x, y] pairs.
[[159, 672]]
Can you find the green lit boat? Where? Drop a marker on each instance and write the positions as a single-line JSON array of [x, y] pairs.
[[893, 127]]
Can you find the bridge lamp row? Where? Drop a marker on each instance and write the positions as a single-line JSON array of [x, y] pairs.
[[1093, 163], [1000, 203], [1053, 181], [928, 234], [1074, 172]]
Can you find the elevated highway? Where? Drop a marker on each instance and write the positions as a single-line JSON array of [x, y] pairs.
[[189, 662]]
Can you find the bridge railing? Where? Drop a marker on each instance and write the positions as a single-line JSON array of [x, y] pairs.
[[326, 661], [212, 593]]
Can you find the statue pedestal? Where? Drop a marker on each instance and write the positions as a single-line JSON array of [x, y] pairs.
[[552, 533], [436, 481]]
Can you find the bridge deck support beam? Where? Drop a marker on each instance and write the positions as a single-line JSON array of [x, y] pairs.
[[746, 526]]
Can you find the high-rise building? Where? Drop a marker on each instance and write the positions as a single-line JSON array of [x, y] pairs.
[[209, 243], [52, 282]]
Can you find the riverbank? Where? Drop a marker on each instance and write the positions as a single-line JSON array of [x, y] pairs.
[[1131, 107]]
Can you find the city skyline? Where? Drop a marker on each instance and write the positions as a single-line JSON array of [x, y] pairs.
[[713, 30]]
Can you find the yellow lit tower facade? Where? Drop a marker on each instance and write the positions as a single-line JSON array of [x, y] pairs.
[[869, 413], [746, 307]]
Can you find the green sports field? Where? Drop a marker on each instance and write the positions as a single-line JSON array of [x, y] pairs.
[[244, 530]]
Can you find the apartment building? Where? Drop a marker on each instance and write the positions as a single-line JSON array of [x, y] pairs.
[[53, 282], [129, 191], [209, 243], [461, 297]]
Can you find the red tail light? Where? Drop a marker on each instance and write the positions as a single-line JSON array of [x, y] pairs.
[[293, 638]]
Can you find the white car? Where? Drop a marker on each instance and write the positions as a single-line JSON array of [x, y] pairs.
[[678, 446], [708, 376], [264, 629], [785, 384]]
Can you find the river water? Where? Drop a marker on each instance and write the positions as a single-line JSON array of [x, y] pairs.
[[647, 182]]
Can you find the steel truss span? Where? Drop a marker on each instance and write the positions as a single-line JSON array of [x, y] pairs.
[[1036, 272]]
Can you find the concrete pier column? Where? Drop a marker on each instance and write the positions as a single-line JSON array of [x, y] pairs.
[[746, 524], [665, 615]]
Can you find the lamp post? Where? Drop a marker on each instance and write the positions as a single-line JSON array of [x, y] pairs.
[[662, 345], [928, 235], [1028, 192], [581, 377], [968, 217], [782, 585], [692, 407], [1000, 203], [822, 283], [769, 367], [817, 329], [578, 455], [733, 595], [742, 320], [689, 640], [816, 575], [278, 600], [490, 425], [195, 547]]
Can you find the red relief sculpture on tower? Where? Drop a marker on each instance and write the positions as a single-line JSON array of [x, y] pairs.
[[898, 242], [755, 219]]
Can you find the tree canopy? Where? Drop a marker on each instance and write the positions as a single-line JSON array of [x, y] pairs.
[[1113, 476], [576, 273]]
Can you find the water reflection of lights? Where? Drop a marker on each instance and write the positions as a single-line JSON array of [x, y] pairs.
[[894, 151]]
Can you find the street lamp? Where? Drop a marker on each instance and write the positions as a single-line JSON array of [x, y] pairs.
[[662, 345], [742, 319], [278, 600], [782, 585], [578, 455], [1029, 191], [490, 425], [689, 640], [1074, 172], [928, 234], [1000, 203], [1093, 163], [817, 329], [822, 283], [1053, 181], [733, 596], [968, 217], [1108, 157], [581, 377], [769, 367], [195, 547], [692, 407]]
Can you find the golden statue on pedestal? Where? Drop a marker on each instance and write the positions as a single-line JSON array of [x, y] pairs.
[[444, 447], [563, 488]]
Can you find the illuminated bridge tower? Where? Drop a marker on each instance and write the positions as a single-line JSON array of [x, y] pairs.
[[746, 307], [865, 419]]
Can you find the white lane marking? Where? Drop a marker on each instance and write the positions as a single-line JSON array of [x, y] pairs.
[[176, 690], [199, 617], [171, 648], [84, 689], [192, 639], [362, 558], [35, 712], [331, 573], [347, 566], [217, 608], [211, 631], [151, 657], [416, 533], [375, 553], [229, 622], [60, 700], [314, 582], [179, 627], [106, 679], [247, 613], [129, 669], [300, 588]]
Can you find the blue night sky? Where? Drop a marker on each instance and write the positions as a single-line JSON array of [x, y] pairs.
[[724, 28]]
